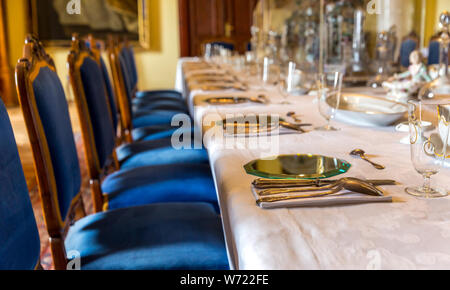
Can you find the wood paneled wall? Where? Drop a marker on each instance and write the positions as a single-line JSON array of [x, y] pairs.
[[205, 20]]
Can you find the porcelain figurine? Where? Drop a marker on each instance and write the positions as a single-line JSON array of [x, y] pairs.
[[403, 86]]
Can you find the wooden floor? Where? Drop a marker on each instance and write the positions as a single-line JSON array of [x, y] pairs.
[[23, 143]]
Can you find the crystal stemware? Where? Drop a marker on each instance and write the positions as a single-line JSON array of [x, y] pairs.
[[428, 146], [329, 88]]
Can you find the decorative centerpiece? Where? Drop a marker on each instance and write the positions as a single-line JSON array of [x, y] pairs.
[[440, 87], [403, 86]]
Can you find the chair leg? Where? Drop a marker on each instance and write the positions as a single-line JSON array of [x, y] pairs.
[[81, 210], [116, 164], [97, 197], [58, 253], [39, 266]]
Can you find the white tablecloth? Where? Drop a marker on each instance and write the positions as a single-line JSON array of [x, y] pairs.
[[410, 233]]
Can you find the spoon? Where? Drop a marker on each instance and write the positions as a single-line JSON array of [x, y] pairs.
[[360, 153], [294, 117], [350, 184], [295, 127]]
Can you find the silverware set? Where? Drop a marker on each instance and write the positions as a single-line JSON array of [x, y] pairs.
[[282, 190]]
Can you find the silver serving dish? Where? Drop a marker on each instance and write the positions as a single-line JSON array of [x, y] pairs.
[[369, 111]]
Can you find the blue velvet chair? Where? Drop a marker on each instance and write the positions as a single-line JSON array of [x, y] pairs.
[[129, 57], [146, 129], [19, 238], [153, 132], [434, 53], [143, 116], [155, 162], [170, 99], [224, 44], [87, 83], [168, 236], [408, 45]]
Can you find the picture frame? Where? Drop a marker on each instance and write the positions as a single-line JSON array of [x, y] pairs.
[[54, 21]]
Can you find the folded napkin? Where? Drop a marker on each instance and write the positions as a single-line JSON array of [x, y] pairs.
[[342, 198]]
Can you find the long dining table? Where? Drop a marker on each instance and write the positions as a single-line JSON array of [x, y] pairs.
[[408, 233]]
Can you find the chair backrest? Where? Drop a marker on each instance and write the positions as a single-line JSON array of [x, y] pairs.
[[19, 237], [434, 53], [409, 44], [121, 86], [129, 60], [93, 109], [49, 128], [124, 62], [226, 45], [95, 49]]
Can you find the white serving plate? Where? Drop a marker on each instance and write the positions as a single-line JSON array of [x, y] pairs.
[[369, 111]]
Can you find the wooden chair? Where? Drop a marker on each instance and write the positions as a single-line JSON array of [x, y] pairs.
[[62, 200], [408, 45], [224, 42], [156, 161], [99, 163], [19, 236], [190, 234], [150, 108]]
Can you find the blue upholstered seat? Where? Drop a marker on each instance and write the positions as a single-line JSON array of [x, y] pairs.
[[53, 109], [159, 93], [407, 47], [161, 236], [145, 157], [155, 237], [19, 237], [155, 117], [158, 152], [156, 184], [129, 57], [145, 106], [159, 104], [158, 132], [434, 55], [99, 112], [226, 45]]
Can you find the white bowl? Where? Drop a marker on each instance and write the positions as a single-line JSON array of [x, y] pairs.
[[369, 111]]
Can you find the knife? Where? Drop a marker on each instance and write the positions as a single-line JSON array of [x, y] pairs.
[[288, 183]]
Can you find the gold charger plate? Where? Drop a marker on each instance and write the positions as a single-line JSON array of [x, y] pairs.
[[299, 166]]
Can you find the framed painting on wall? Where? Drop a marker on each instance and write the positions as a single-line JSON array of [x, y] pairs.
[[54, 21]]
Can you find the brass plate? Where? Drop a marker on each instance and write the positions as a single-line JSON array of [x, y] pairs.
[[300, 166]]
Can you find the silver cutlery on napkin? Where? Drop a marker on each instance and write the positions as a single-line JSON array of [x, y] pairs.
[[349, 184], [262, 183]]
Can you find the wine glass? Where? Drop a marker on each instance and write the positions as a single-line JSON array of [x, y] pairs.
[[208, 52], [271, 72], [329, 88], [428, 146], [285, 81]]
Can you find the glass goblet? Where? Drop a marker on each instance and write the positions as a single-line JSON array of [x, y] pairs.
[[329, 89], [428, 146]]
